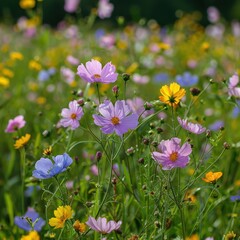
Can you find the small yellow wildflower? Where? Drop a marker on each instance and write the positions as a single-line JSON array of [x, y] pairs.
[[172, 94], [27, 4], [193, 237], [16, 56], [34, 65], [80, 227], [205, 46], [7, 73], [33, 235], [47, 151], [132, 68], [61, 215], [212, 177], [229, 236], [21, 142], [41, 100], [4, 82]]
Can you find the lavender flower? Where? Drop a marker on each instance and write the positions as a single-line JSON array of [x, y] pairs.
[[67, 74], [33, 217], [101, 225], [171, 154], [105, 9], [15, 124], [233, 90], [71, 115], [45, 168], [235, 198], [93, 72], [71, 6], [191, 127], [187, 79], [116, 118]]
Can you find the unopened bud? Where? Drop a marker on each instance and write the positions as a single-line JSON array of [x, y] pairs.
[[130, 151], [208, 133], [125, 77], [157, 224], [141, 160], [159, 130], [80, 102], [148, 106], [226, 145], [146, 141], [98, 155], [115, 91], [195, 91]]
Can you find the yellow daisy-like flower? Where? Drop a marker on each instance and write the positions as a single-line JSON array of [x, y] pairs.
[[4, 82], [47, 151], [21, 142], [80, 227], [229, 236], [172, 94], [16, 56], [212, 177], [33, 235], [61, 215], [7, 73], [34, 65], [27, 4]]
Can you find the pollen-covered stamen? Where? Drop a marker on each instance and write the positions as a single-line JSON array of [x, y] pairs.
[[173, 156], [97, 76], [73, 116], [115, 120]]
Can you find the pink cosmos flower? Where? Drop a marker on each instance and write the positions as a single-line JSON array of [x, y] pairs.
[[191, 127], [67, 74], [71, 115], [233, 90], [141, 79], [93, 72], [15, 124], [171, 154], [116, 118], [72, 60], [71, 6], [104, 9], [101, 225]]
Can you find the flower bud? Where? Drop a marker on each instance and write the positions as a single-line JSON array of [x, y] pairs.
[[98, 156], [115, 91], [226, 145], [125, 77], [145, 141], [195, 91], [148, 106], [141, 160], [159, 130], [130, 151], [80, 102]]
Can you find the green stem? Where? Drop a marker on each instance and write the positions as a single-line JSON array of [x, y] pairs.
[[173, 122], [23, 158], [125, 90], [98, 93]]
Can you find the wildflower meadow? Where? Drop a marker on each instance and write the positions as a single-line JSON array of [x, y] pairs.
[[126, 131]]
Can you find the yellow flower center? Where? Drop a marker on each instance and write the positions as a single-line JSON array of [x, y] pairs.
[[115, 120], [73, 116], [97, 75], [173, 156]]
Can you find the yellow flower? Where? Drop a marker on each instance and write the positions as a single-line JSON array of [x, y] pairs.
[[47, 151], [172, 94], [193, 237], [21, 142], [61, 215], [34, 65], [7, 73], [33, 235], [212, 177], [229, 236], [80, 227], [132, 68], [41, 100], [27, 4], [4, 82], [16, 56]]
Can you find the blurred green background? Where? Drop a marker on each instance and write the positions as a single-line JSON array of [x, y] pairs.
[[164, 11]]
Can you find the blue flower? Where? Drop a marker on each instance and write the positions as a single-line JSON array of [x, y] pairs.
[[216, 125], [236, 110], [235, 198], [161, 78], [187, 79], [32, 216], [45, 168]]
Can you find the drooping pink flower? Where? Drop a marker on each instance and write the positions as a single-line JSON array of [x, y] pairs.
[[171, 154], [93, 72], [118, 118], [71, 115], [15, 124], [71, 6], [191, 127], [104, 9], [233, 90], [101, 225]]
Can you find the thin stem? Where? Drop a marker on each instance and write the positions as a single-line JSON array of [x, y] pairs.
[[173, 122], [23, 158], [125, 90], [98, 93]]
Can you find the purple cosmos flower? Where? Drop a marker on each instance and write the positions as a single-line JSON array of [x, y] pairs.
[[171, 154], [45, 168], [233, 90], [93, 72], [72, 60], [216, 125], [71, 115], [67, 74], [105, 9], [15, 124], [32, 216], [101, 225], [191, 127], [213, 14], [187, 79], [141, 79], [71, 6], [116, 118]]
